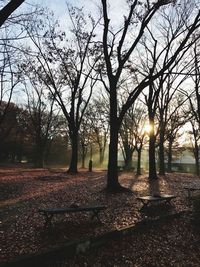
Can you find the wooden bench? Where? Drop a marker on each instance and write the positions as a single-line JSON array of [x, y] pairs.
[[48, 213], [190, 189], [146, 200]]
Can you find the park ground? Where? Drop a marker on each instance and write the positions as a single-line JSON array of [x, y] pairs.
[[169, 242]]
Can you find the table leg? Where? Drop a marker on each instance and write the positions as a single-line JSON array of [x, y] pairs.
[[168, 201], [48, 218], [95, 215], [189, 196], [145, 204]]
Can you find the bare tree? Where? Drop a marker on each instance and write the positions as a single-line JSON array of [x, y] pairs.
[[133, 133], [116, 55], [175, 122], [85, 138], [11, 33], [9, 78], [66, 67], [192, 94], [195, 101], [97, 115], [141, 133], [44, 119], [127, 138], [161, 90], [168, 94]]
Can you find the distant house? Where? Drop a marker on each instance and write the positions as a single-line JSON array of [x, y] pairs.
[[183, 162]]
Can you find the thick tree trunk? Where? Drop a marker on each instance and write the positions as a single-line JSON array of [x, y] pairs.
[[161, 153], [152, 151], [139, 162], [113, 184], [112, 175], [74, 153]]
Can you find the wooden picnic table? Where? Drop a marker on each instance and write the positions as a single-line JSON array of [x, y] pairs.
[[146, 200]]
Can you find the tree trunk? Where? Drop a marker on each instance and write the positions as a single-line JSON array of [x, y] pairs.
[[112, 174], [41, 161], [113, 184], [101, 156], [83, 160], [74, 153], [39, 156], [152, 150], [196, 154], [83, 155], [169, 163], [161, 153], [197, 166], [128, 158], [139, 151]]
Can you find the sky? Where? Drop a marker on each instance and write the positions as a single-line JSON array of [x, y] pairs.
[[116, 9], [60, 8]]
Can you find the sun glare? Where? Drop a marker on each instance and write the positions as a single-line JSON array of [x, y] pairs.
[[147, 128]]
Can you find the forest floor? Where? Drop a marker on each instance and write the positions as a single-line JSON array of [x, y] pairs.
[[24, 191]]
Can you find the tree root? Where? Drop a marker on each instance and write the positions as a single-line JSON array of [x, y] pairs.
[[71, 172], [118, 189]]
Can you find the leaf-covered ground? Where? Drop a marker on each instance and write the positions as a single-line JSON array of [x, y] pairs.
[[171, 243], [23, 191]]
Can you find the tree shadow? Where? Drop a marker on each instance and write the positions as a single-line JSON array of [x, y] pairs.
[[156, 210], [10, 191]]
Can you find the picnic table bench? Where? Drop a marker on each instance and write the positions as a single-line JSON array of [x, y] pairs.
[[146, 200], [50, 212]]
